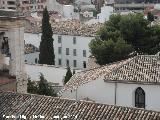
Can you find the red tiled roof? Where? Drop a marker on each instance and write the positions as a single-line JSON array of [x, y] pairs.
[[5, 80], [139, 69], [16, 104]]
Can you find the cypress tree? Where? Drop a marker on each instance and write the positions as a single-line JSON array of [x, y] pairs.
[[68, 75], [46, 55]]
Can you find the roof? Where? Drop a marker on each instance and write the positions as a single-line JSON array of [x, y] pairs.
[[5, 77], [84, 77], [5, 80], [139, 69], [76, 28], [16, 104]]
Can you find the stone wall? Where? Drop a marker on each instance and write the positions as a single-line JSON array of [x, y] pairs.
[[15, 34]]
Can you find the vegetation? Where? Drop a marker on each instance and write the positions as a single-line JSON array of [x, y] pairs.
[[46, 55], [42, 87], [150, 17], [68, 75], [123, 35]]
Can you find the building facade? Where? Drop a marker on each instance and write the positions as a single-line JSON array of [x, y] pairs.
[[71, 51], [8, 4], [25, 5], [133, 83]]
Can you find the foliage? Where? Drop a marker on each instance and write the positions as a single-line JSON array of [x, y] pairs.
[[122, 35], [44, 88], [68, 75], [41, 88], [46, 55], [74, 72], [150, 17], [32, 87]]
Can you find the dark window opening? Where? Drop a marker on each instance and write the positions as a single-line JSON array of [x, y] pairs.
[[139, 98]]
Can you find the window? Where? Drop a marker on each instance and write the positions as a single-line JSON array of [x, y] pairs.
[[74, 52], [75, 63], [67, 51], [59, 39], [59, 50], [74, 40], [67, 63], [36, 60], [84, 53], [84, 64], [139, 98], [59, 62]]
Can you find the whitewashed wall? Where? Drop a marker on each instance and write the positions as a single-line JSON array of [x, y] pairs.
[[106, 11], [30, 58], [67, 42], [103, 92]]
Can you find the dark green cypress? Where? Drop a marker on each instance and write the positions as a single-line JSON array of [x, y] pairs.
[[46, 55], [68, 75]]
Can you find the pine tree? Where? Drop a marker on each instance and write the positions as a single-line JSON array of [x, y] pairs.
[[68, 75], [46, 55]]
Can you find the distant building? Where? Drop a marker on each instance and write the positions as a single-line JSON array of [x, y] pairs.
[[105, 13], [25, 5], [133, 82], [8, 4], [71, 43]]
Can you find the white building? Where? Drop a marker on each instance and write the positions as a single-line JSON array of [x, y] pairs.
[[106, 11], [66, 11], [134, 82], [71, 43], [71, 50], [68, 49], [8, 4], [32, 58]]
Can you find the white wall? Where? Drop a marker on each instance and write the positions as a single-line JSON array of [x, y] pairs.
[[53, 5], [106, 11], [126, 96], [68, 11], [33, 39], [30, 58], [103, 92], [67, 42]]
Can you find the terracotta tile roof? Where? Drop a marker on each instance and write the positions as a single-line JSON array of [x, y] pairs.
[[4, 81], [29, 48], [89, 75], [141, 69], [49, 107], [75, 27]]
